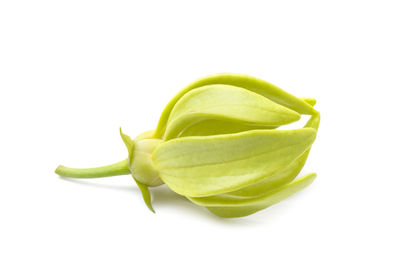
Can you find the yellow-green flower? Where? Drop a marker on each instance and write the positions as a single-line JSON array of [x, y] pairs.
[[217, 144]]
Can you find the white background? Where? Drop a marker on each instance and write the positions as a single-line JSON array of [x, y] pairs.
[[73, 72]]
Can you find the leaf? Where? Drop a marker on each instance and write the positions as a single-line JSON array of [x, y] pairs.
[[247, 82], [204, 166], [230, 104], [234, 207], [145, 194]]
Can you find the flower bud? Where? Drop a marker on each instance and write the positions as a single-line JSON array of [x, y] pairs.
[[218, 144]]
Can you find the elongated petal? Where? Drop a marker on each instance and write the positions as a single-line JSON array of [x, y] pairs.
[[309, 100], [204, 166], [144, 135], [282, 177], [219, 126], [313, 122], [247, 82], [234, 207], [276, 180], [229, 104]]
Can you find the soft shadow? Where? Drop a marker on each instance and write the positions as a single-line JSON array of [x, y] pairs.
[[164, 197], [89, 182]]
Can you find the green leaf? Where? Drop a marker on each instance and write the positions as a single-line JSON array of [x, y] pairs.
[[146, 194], [230, 207], [204, 166], [247, 82], [230, 104]]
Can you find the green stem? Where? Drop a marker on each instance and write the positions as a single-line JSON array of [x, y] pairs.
[[119, 168]]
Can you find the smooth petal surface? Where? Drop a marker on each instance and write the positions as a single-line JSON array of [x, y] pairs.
[[218, 126], [215, 126], [276, 180], [282, 177], [235, 207], [247, 82], [309, 100], [229, 104], [142, 167], [204, 166]]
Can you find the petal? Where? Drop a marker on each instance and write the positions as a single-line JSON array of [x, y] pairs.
[[218, 126], [282, 177], [309, 100], [234, 207], [274, 181], [247, 82], [229, 104], [204, 166]]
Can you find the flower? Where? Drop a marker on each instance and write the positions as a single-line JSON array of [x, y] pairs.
[[217, 144]]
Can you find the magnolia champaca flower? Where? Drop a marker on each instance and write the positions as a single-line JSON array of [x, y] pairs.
[[218, 144]]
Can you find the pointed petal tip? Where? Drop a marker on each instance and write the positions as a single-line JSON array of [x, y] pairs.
[[312, 176], [145, 194], [296, 116], [306, 180], [120, 132], [309, 100], [151, 209]]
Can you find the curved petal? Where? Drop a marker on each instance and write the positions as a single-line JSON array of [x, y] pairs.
[[309, 100], [282, 177], [226, 103], [247, 82], [205, 166], [219, 126], [276, 180], [234, 207]]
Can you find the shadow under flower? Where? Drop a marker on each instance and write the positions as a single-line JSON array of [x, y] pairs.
[[163, 197]]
